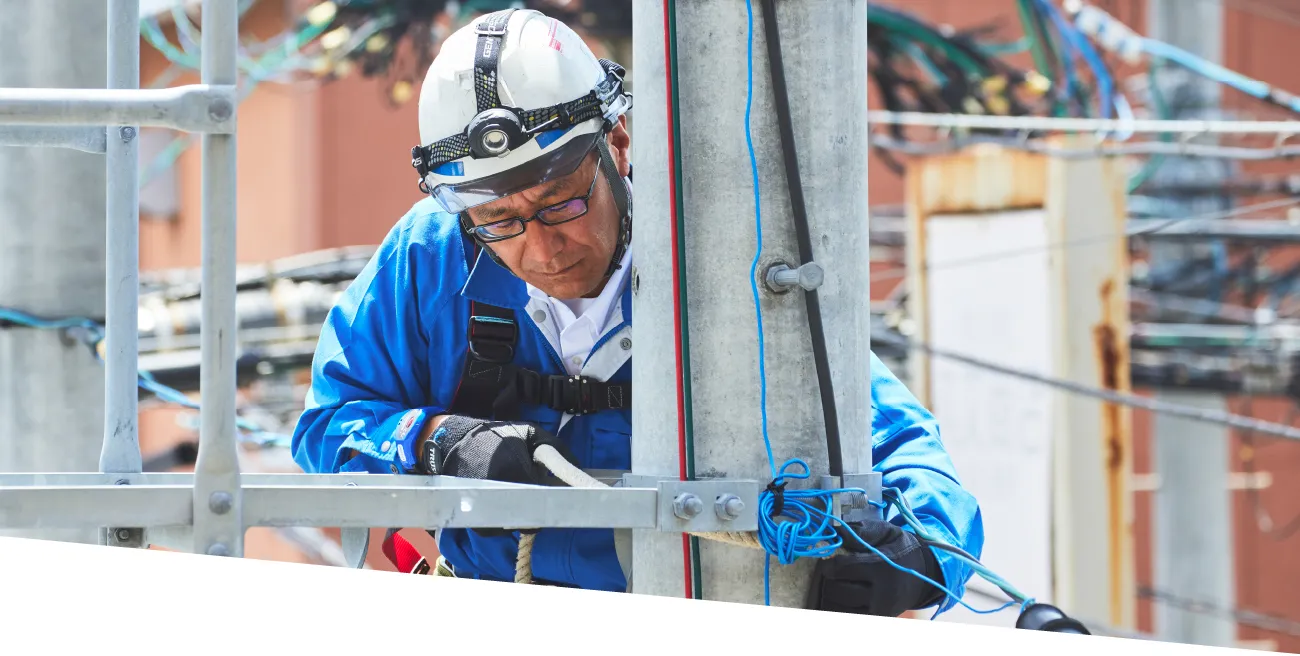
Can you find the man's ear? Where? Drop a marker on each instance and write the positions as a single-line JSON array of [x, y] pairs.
[[620, 144]]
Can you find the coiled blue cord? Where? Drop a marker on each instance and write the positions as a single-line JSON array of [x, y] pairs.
[[809, 531]]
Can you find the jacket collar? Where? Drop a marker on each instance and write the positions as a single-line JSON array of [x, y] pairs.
[[493, 284]]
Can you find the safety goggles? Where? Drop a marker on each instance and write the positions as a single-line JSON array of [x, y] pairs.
[[552, 215], [459, 197]]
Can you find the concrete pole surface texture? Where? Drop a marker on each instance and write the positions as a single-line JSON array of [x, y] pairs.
[[823, 46], [52, 260], [1193, 505]]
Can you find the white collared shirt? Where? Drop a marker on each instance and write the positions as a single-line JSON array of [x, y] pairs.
[[580, 322]]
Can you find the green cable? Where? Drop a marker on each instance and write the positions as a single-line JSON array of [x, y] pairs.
[[923, 35], [685, 382], [1015, 47], [1035, 45], [1162, 112]]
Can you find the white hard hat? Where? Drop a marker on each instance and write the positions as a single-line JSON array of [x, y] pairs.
[[511, 101]]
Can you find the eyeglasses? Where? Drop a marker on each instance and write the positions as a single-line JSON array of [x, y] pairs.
[[563, 212]]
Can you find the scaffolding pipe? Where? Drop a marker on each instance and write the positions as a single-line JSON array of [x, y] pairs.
[[204, 108], [85, 139], [121, 449], [218, 523]]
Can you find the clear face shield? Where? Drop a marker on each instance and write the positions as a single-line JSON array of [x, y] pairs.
[[459, 197]]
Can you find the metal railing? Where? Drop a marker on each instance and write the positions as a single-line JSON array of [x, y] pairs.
[[209, 510]]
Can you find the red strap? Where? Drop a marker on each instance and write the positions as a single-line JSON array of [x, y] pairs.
[[400, 553]]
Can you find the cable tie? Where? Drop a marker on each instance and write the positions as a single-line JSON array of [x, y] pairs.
[[777, 490]]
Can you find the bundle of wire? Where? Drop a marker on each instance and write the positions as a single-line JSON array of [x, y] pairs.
[[91, 333]]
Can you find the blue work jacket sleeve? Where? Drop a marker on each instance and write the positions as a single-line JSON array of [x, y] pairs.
[[908, 451], [371, 366]]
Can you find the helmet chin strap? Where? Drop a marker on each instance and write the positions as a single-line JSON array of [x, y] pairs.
[[622, 201]]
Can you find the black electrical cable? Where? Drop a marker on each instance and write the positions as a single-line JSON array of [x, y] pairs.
[[833, 450]]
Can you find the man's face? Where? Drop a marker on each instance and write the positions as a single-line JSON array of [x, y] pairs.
[[568, 260]]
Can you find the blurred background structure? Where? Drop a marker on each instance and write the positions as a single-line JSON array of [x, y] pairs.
[[1206, 543]]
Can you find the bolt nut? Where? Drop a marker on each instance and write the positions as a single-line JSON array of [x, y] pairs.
[[220, 502], [687, 506], [123, 535], [218, 549], [781, 278], [126, 133], [728, 506], [220, 110]]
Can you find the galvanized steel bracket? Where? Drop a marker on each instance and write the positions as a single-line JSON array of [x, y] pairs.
[[702, 506], [854, 506]]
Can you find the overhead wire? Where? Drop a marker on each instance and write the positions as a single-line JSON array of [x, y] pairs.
[[1112, 396], [892, 274], [92, 334], [1240, 615]]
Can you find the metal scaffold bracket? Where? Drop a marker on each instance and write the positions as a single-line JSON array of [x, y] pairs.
[[159, 501]]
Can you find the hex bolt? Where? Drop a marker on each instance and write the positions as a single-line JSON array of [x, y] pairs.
[[123, 534], [781, 278], [687, 505], [218, 549], [728, 506], [220, 502], [127, 134]]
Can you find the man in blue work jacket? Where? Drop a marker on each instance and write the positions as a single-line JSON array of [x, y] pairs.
[[492, 319]]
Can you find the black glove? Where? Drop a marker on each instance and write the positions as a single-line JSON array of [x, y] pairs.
[[862, 583], [489, 450]]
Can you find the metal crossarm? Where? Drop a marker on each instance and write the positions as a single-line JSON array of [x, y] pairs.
[[348, 501]]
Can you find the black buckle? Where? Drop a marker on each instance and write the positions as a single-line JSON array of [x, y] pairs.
[[489, 340], [571, 394]]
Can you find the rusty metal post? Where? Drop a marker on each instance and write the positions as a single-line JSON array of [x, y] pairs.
[[1086, 208], [989, 278]]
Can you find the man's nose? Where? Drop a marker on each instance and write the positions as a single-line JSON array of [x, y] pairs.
[[544, 241]]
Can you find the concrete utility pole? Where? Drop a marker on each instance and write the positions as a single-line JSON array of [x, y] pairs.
[[52, 255], [1193, 522], [830, 135]]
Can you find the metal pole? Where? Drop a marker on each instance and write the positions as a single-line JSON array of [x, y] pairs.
[[85, 139], [1191, 459], [657, 563], [1193, 536], [121, 449], [52, 237], [720, 241], [218, 515]]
